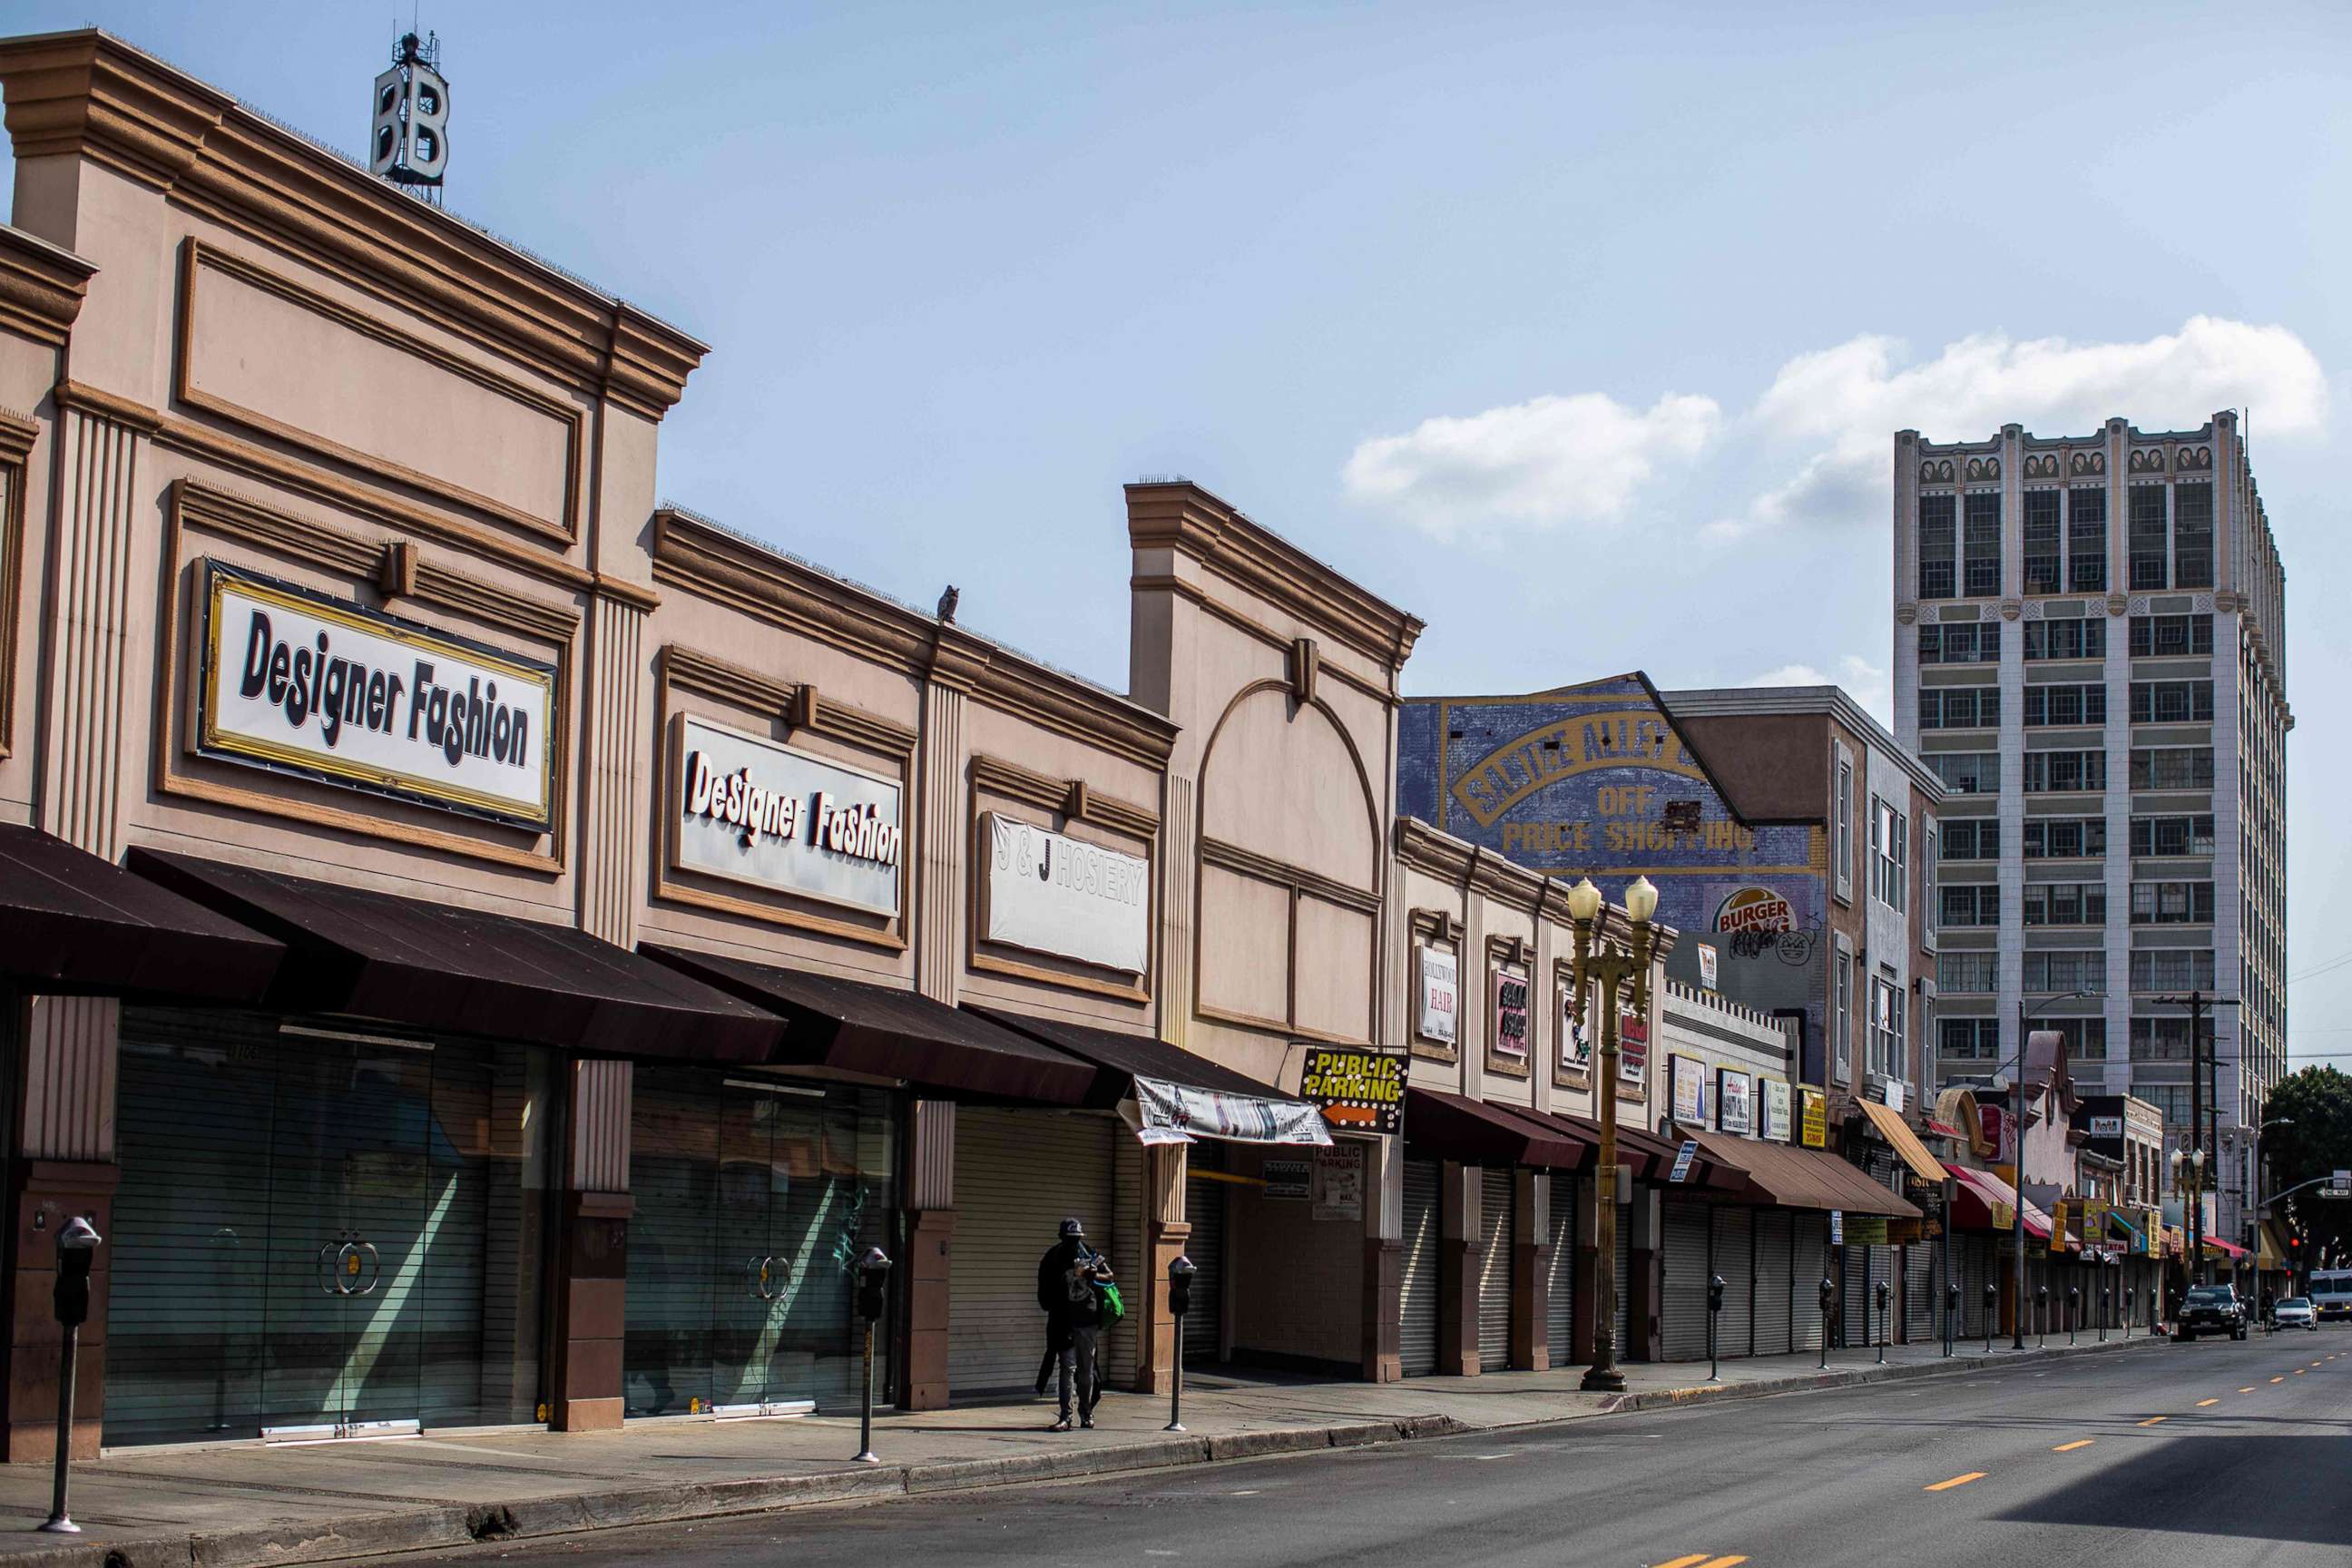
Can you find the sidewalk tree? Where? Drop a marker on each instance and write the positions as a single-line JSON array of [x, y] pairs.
[[2316, 1141]]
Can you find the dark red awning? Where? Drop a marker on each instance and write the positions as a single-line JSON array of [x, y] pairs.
[[1451, 1127], [73, 924]]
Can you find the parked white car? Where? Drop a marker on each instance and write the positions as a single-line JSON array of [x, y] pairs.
[[2295, 1312]]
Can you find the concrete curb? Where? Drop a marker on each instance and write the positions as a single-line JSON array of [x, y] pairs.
[[450, 1527], [1855, 1376], [447, 1527]]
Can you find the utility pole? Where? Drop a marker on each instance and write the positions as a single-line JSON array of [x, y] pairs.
[[2200, 1105]]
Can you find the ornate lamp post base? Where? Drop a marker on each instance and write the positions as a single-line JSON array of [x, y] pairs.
[[1602, 1380]]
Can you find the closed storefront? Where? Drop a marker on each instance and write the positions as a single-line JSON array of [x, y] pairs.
[[321, 1232], [1775, 1279], [755, 1197], [1017, 1175], [1497, 1214], [1624, 1285], [1918, 1292], [1417, 1321], [1813, 1265], [1559, 1303], [1204, 1210], [1735, 1261], [1976, 1272], [1684, 1322]]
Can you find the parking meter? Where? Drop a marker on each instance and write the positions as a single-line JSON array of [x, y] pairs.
[[873, 1276], [77, 1245], [1828, 1305], [2041, 1309], [2128, 1312], [1992, 1309], [1181, 1270], [1951, 1314], [1885, 1325], [2074, 1310]]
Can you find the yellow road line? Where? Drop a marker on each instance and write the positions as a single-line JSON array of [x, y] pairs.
[[2204, 1402], [2278, 1380], [2245, 1391], [2077, 1443], [1693, 1561], [2298, 1371], [2151, 1420], [1723, 1562], [1956, 1481]]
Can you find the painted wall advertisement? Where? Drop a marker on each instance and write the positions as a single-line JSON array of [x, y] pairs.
[[1813, 1118], [1732, 1092], [298, 682], [1438, 979], [1773, 1111], [1594, 778], [1051, 893]]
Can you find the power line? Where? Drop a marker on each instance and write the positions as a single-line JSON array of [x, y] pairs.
[[2324, 966]]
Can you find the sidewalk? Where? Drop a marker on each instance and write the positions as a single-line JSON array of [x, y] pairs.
[[219, 1507]]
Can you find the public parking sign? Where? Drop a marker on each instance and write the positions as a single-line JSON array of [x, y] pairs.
[[1683, 1158]]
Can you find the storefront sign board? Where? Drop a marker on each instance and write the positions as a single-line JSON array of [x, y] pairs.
[[1339, 1181], [1508, 988], [1440, 1002], [1049, 892], [1288, 1181], [1733, 1088], [1355, 1088], [757, 811], [1813, 1118], [1689, 1084], [1774, 1112], [299, 682]]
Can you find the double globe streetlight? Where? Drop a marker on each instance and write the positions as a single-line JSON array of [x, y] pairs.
[[1600, 955]]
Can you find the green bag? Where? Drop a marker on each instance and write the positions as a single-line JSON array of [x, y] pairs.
[[1113, 1308]]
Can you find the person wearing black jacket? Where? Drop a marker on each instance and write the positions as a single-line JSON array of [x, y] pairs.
[[1065, 1293]]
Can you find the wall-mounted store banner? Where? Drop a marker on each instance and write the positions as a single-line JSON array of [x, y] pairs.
[[1865, 1230], [299, 682], [1772, 1112], [1632, 1049], [1687, 1087], [1733, 1091], [1710, 971], [1510, 988], [1052, 893], [1440, 1001], [1575, 1039], [1339, 1181], [1355, 1088], [1178, 1112], [752, 810], [1813, 1118]]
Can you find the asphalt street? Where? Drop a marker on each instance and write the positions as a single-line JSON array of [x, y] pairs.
[[2213, 1454]]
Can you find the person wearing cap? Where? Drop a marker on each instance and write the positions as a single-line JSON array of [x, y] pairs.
[[1065, 1293]]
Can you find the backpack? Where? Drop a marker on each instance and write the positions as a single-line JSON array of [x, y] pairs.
[[1107, 1299]]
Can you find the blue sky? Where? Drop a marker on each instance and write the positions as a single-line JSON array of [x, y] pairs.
[[1578, 331]]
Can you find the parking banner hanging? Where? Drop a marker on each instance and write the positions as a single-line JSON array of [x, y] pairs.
[[1179, 1112]]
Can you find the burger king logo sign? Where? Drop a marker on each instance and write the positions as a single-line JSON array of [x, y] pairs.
[[1758, 910]]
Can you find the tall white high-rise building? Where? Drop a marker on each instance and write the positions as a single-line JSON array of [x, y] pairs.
[[2090, 650]]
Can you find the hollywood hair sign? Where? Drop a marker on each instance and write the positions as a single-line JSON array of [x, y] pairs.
[[297, 682]]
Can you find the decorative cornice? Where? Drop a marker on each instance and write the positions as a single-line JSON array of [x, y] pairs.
[[797, 704], [706, 558], [1072, 798], [1182, 516], [17, 434], [41, 285], [1265, 868], [85, 93]]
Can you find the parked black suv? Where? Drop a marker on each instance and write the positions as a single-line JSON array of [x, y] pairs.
[[2211, 1310]]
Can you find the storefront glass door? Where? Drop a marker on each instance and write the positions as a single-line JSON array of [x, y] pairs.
[[754, 1201], [320, 1234]]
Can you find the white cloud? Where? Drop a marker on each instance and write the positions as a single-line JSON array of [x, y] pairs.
[[1533, 466], [1854, 396], [1864, 681]]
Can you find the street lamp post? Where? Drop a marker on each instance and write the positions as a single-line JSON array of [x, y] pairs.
[[1596, 957], [2193, 1214]]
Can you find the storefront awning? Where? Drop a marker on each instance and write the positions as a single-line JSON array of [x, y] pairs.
[[73, 924], [1982, 1201], [434, 967], [1178, 1094], [889, 1031], [1783, 1176], [1451, 1127], [1906, 1143], [2228, 1249], [1663, 1149]]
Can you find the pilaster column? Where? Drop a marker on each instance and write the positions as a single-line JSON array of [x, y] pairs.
[[1166, 1232], [1460, 1251], [584, 1394], [1383, 1279], [1531, 1271], [64, 1139], [930, 1242], [612, 816]]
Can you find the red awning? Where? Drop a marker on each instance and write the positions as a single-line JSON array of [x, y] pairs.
[[1943, 1129], [1983, 1201], [1454, 1126], [2226, 1249]]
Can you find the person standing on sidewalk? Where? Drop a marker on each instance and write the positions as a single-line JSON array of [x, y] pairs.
[[1068, 1293]]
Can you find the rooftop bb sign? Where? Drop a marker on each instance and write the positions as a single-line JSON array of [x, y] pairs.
[[299, 682]]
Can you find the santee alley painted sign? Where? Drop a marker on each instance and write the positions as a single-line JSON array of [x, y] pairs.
[[1052, 893], [300, 682], [756, 811]]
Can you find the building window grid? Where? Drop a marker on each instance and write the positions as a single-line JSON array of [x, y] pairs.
[[2192, 535], [2050, 707], [2086, 541], [2065, 839], [1968, 904], [2066, 772], [2056, 972], [2171, 903], [1968, 973], [2172, 767], [1845, 824], [1968, 1039], [1967, 773], [2172, 702], [2065, 638], [2172, 969], [1971, 839], [2145, 541], [2064, 903], [1937, 543], [2171, 636], [2040, 526], [1959, 707], [1980, 542], [1842, 1046], [1886, 1025], [1960, 642]]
